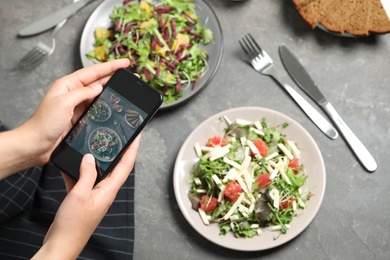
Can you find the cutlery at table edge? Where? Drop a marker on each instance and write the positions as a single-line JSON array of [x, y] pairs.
[[263, 63], [299, 74]]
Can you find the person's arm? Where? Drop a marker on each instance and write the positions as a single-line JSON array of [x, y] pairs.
[[16, 152], [32, 143], [84, 207]]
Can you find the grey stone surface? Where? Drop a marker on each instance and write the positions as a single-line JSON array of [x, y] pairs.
[[353, 221]]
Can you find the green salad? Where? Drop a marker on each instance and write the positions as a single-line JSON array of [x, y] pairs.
[[249, 179], [104, 144], [99, 111], [162, 40]]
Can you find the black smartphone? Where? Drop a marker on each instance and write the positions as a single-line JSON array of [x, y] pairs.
[[109, 125]]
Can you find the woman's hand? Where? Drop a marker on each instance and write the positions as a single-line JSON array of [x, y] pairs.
[[84, 207], [32, 143], [66, 100]]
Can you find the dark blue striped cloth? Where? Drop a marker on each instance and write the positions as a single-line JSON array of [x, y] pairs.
[[29, 201]]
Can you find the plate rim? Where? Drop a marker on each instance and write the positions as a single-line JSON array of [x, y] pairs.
[[212, 238], [94, 16]]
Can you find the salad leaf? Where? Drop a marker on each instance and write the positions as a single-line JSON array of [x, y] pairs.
[[162, 40], [296, 181], [260, 200]]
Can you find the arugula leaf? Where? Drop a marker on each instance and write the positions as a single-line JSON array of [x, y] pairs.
[[296, 181]]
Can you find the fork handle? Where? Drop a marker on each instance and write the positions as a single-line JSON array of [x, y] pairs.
[[318, 119]]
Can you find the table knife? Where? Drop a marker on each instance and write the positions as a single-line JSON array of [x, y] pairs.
[[53, 18], [305, 82]]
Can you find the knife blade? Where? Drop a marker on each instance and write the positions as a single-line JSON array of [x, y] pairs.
[[298, 73], [53, 19]]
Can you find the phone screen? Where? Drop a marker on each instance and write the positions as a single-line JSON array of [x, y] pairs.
[[109, 125], [106, 127]]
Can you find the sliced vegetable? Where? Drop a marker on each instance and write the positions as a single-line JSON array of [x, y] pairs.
[[162, 40], [233, 191], [207, 203], [248, 179]]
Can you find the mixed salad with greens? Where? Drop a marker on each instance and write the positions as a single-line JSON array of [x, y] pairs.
[[249, 179], [99, 111], [104, 144], [162, 40]]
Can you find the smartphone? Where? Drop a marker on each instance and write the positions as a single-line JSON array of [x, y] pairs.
[[109, 125]]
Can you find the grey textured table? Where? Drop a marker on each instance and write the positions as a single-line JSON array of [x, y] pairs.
[[353, 221]]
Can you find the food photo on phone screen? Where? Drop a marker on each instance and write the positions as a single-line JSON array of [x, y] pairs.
[[106, 127]]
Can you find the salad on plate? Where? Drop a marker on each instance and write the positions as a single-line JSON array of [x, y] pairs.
[[105, 144], [163, 41], [249, 179], [99, 112]]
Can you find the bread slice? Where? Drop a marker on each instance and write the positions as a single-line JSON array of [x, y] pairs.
[[379, 21], [356, 17], [358, 22], [338, 16], [301, 3], [313, 11]]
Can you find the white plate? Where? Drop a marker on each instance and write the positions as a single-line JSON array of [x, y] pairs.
[[100, 18], [311, 158]]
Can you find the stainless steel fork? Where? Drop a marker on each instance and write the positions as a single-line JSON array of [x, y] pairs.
[[263, 63], [41, 51]]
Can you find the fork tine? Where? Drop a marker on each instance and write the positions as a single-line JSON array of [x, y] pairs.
[[243, 48], [254, 44], [30, 55], [33, 58], [37, 61], [251, 47]]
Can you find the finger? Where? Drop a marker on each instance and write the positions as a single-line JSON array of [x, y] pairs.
[[118, 176], [90, 74], [101, 82], [97, 84], [79, 95], [88, 172]]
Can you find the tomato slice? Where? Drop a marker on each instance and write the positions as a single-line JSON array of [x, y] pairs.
[[294, 164], [208, 203], [233, 191], [261, 146], [263, 180], [286, 203], [216, 140]]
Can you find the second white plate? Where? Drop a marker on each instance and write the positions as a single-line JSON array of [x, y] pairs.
[[311, 158], [100, 18]]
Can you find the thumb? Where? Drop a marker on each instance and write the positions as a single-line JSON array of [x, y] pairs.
[[88, 172]]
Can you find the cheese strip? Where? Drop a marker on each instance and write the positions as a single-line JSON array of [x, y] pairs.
[[232, 163], [285, 151], [294, 149], [204, 217], [234, 207]]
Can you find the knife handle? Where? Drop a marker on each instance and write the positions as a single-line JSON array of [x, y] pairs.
[[356, 145], [318, 119]]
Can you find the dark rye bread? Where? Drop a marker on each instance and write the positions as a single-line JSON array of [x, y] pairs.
[[314, 10], [358, 21], [379, 21], [338, 15], [356, 17]]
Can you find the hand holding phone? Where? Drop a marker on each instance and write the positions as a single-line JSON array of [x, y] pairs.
[[109, 125]]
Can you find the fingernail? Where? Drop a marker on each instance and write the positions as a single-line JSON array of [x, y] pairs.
[[89, 158], [96, 86]]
